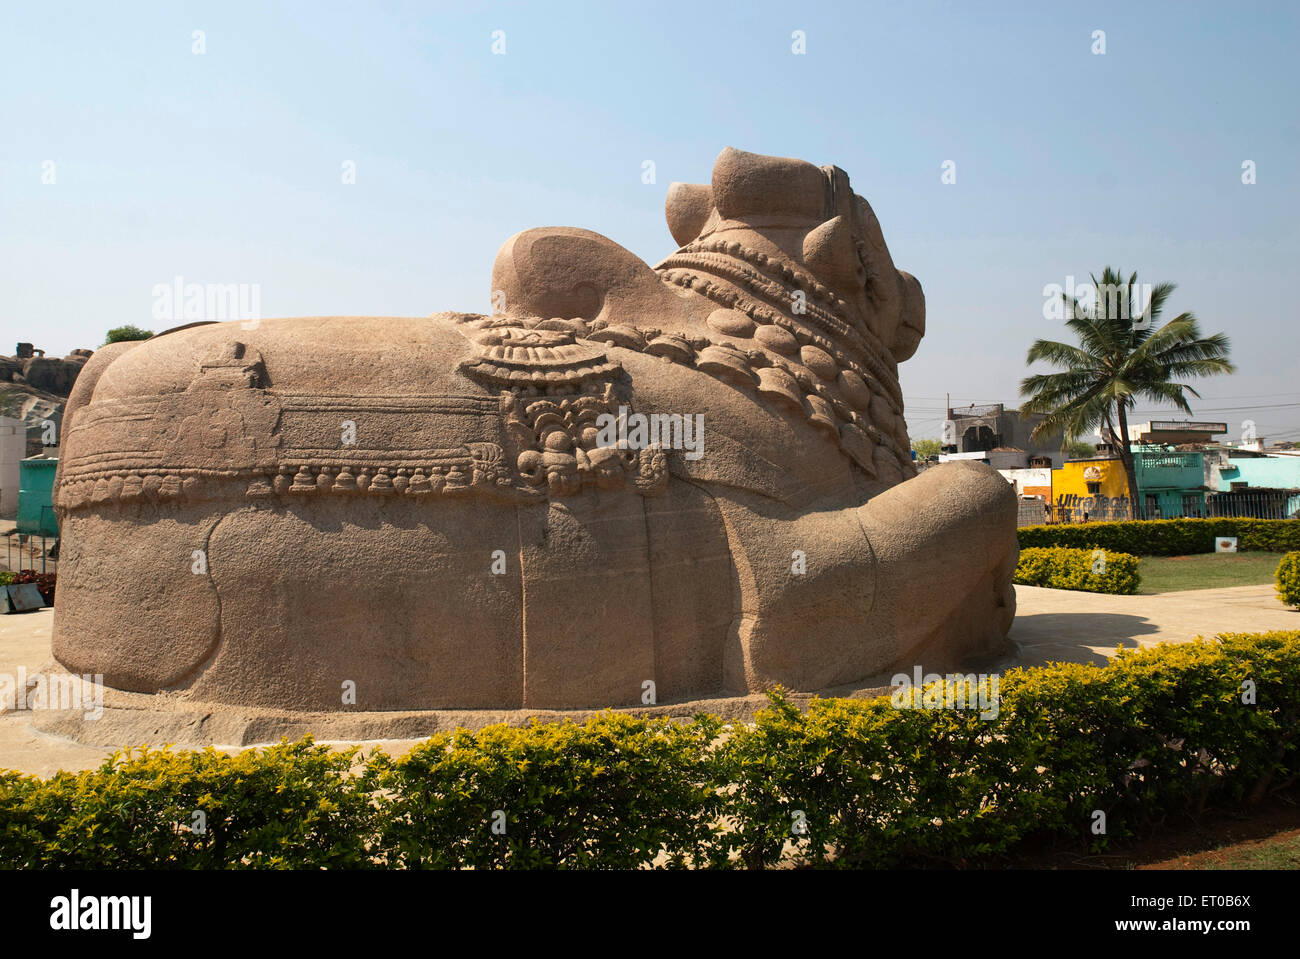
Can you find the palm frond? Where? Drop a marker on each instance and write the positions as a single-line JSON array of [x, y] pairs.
[[1122, 354]]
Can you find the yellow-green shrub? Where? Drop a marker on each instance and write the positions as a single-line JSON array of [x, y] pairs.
[[1154, 732], [861, 783], [615, 792], [1287, 579], [294, 805], [1093, 571]]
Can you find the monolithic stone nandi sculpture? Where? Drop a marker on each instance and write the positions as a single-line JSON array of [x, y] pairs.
[[438, 509]]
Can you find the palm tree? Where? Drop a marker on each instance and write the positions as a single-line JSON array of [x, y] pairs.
[[1123, 354]]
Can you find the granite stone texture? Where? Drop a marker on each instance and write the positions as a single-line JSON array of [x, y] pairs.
[[630, 484]]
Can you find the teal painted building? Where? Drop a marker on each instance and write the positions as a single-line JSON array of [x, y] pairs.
[[1171, 483], [35, 496], [1272, 481]]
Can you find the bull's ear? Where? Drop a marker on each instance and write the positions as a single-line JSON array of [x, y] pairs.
[[687, 209], [829, 253], [749, 184]]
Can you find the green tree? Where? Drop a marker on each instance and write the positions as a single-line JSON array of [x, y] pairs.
[[924, 449], [1078, 449], [1123, 354], [121, 333]]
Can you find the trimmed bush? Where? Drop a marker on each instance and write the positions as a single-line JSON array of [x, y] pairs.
[[1287, 579], [862, 783], [616, 792], [885, 782], [295, 805], [1157, 731], [1089, 570], [1167, 537]]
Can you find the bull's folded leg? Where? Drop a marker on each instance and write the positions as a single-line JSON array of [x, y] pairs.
[[921, 574], [945, 545]]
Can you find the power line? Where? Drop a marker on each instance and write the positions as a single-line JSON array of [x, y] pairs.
[[1217, 409]]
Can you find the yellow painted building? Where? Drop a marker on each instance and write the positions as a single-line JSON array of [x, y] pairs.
[[1096, 487]]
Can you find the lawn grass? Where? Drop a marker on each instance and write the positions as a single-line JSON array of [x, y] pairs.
[[1282, 852], [1169, 574], [1276, 852]]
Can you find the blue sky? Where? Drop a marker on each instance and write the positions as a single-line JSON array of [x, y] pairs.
[[226, 167]]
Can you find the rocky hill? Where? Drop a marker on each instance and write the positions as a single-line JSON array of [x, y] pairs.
[[34, 387]]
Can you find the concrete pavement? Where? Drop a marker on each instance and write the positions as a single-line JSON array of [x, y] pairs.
[[1056, 625]]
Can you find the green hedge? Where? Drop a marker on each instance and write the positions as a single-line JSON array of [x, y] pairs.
[[1167, 537], [293, 805], [1287, 579], [614, 792], [847, 782], [1089, 570], [1157, 731]]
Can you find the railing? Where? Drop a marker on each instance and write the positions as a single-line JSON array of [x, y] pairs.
[[1157, 461], [27, 550], [975, 412], [1255, 504], [1032, 513], [1244, 504]]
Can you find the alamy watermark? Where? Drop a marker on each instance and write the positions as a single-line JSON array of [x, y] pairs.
[[1119, 300], [637, 431], [63, 691], [179, 301], [952, 691], [75, 912]]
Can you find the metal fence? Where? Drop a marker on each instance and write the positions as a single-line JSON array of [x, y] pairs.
[[1032, 513], [1242, 504], [1255, 504], [30, 551], [1037, 516], [36, 551]]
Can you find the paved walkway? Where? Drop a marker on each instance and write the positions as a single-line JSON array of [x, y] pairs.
[[1054, 625], [25, 642], [1051, 625]]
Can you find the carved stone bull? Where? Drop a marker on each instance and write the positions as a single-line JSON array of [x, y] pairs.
[[433, 508]]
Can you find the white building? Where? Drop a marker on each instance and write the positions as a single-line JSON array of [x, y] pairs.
[[13, 447]]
